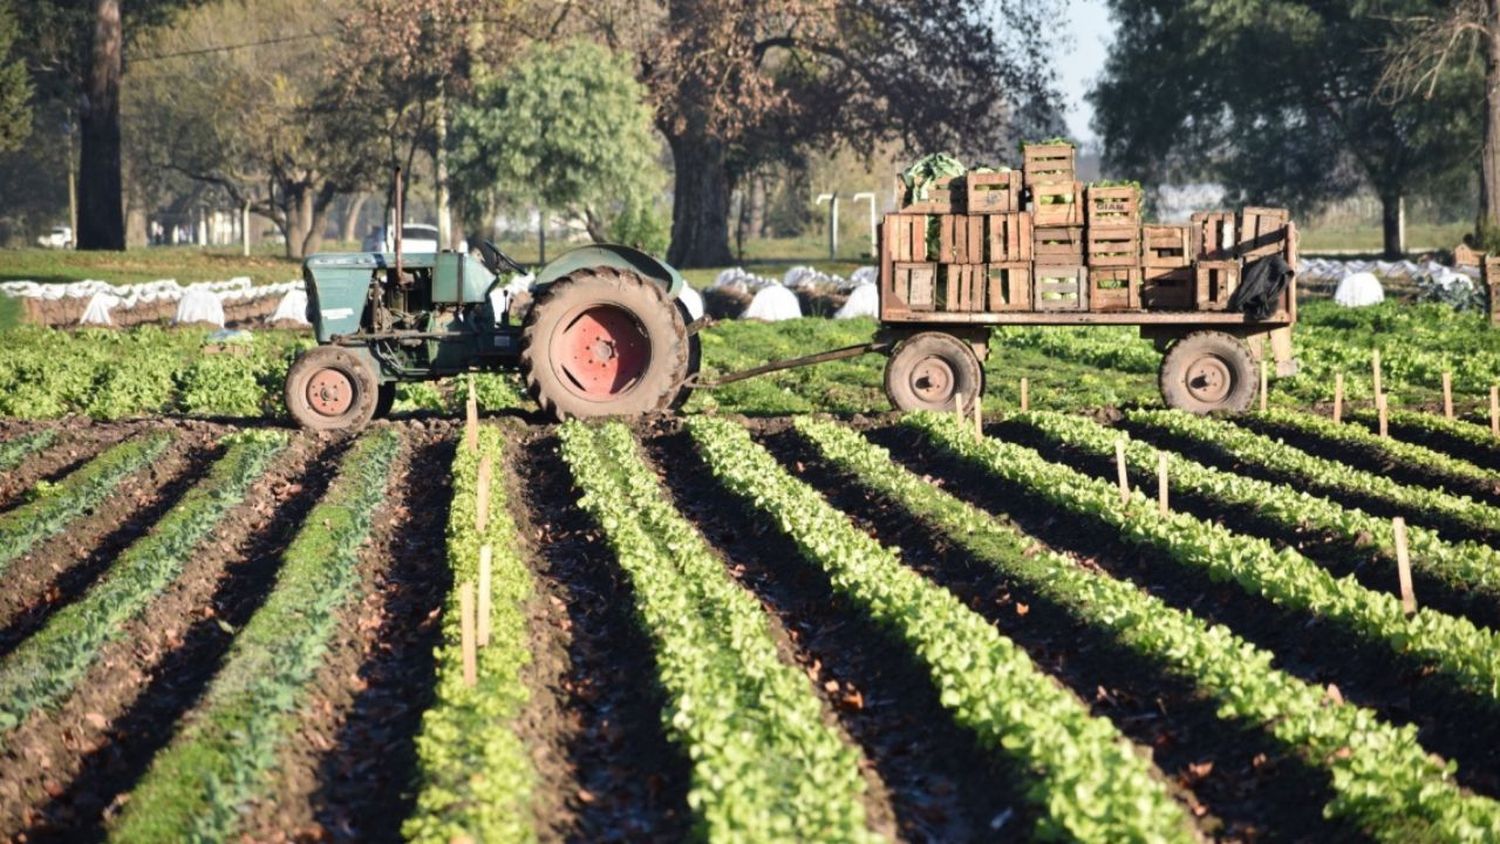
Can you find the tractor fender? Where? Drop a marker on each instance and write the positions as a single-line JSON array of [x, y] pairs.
[[616, 256]]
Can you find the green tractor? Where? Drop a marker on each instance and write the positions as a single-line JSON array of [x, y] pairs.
[[599, 332]]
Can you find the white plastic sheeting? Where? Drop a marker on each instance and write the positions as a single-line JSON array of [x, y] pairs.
[[773, 303], [1327, 269], [692, 300], [1358, 290], [105, 299], [97, 312], [292, 308], [863, 301], [199, 306]]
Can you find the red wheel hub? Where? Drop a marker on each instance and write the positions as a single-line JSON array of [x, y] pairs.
[[330, 392], [602, 352]]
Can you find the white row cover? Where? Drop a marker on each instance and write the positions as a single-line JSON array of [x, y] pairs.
[[192, 300], [1328, 269]]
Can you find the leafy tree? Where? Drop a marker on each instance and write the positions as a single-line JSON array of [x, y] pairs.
[[15, 85], [1275, 99], [735, 84], [564, 127]]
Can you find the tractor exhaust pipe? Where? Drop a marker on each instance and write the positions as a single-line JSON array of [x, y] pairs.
[[400, 224]]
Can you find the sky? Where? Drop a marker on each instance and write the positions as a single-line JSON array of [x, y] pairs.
[[1089, 24]]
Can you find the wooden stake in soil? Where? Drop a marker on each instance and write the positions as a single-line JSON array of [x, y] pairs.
[[1403, 567], [1120, 470], [471, 420], [1338, 397], [1025, 394], [482, 493], [958, 408], [1447, 395], [1495, 411], [1264, 386], [1375, 370], [1381, 410], [486, 564], [466, 632], [1161, 483], [978, 418]]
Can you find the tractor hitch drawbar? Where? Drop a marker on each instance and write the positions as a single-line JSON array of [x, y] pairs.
[[698, 383]]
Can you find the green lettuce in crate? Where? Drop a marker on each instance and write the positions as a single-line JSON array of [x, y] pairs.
[[919, 178]]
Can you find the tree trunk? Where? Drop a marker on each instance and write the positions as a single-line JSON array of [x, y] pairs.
[[1489, 190], [317, 218], [1393, 224], [757, 197], [101, 212], [700, 206], [350, 228]]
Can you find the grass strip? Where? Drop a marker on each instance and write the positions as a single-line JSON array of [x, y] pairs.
[[475, 778], [1384, 782], [1468, 654], [1465, 566], [1317, 474], [12, 452], [1087, 780], [765, 765], [197, 786], [1442, 467], [83, 489], [45, 667]]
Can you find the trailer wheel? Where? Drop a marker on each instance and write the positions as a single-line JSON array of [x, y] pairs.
[[604, 342], [1208, 371], [927, 370], [330, 389]]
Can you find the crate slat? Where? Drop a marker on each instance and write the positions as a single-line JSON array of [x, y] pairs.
[[1007, 287], [1112, 206], [1058, 245], [993, 193], [1010, 237], [1114, 246], [1215, 235], [961, 239], [1056, 203], [1114, 289], [1214, 283], [1057, 287], [1167, 247], [1263, 231]]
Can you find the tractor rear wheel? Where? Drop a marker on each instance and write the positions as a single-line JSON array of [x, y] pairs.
[[330, 389], [1208, 371], [604, 342], [927, 370]]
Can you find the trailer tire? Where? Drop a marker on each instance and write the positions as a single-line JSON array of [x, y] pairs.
[[1208, 371], [330, 389], [927, 370], [604, 342]]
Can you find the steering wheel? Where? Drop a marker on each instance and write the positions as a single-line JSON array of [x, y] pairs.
[[494, 259]]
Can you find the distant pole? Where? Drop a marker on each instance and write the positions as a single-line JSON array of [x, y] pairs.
[[833, 223], [874, 228], [245, 228], [541, 240], [1375, 371]]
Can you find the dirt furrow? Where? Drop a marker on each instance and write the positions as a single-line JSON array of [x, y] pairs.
[[69, 765], [606, 771], [75, 445], [931, 780]]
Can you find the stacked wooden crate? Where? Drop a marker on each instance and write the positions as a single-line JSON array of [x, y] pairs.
[[966, 247], [1060, 278], [1490, 266], [1113, 218]]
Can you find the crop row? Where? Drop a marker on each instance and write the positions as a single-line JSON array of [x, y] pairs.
[[82, 490], [1467, 567], [1086, 778], [1470, 655], [475, 776], [12, 452], [1317, 474], [1359, 440], [46, 666], [219, 759], [765, 765], [1388, 787]]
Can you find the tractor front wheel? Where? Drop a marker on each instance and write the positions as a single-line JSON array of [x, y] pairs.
[[928, 370], [604, 342], [330, 389]]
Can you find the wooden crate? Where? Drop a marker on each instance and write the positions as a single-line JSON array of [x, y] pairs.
[[1214, 236], [1114, 289], [962, 288], [1058, 245], [992, 193], [960, 239], [943, 197], [1049, 163], [1114, 246], [1263, 231], [1009, 237], [1166, 247], [1056, 203], [914, 286], [1007, 287], [1056, 287], [1112, 206], [1214, 283], [1490, 265], [1165, 289], [904, 237]]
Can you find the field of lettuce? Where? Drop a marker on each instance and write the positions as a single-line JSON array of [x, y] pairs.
[[786, 615]]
